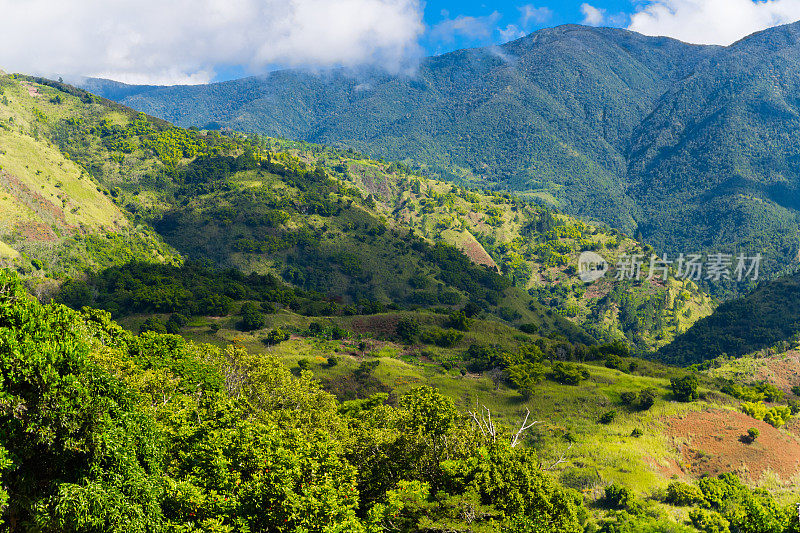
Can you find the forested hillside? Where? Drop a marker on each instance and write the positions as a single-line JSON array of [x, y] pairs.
[[767, 316], [55, 217], [689, 146], [359, 232]]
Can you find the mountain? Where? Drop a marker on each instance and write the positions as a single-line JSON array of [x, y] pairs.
[[328, 342], [689, 146]]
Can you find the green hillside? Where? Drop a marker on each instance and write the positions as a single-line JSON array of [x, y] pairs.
[[356, 230], [335, 343], [767, 316], [55, 217], [688, 146]]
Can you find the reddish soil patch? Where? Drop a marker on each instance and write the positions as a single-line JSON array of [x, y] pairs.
[[475, 252], [782, 371], [710, 442], [599, 289], [380, 326], [48, 212], [32, 91]]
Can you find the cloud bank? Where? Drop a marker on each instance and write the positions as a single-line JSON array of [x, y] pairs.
[[182, 41], [712, 21]]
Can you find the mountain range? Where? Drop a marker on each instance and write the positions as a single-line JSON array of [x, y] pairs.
[[690, 147]]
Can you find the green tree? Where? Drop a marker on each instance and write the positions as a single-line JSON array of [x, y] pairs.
[[685, 389]]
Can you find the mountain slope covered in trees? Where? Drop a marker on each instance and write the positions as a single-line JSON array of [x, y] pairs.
[[356, 231], [689, 145]]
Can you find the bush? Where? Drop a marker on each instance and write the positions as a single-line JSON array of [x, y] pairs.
[[646, 398], [333, 361], [752, 434], [622, 498], [683, 494], [153, 324], [709, 521], [304, 364], [529, 328], [568, 373], [252, 317], [608, 417], [459, 321], [276, 336], [407, 329], [636, 433], [685, 389], [629, 397], [175, 322]]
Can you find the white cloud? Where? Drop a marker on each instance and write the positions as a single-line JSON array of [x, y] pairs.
[[511, 32], [537, 15], [592, 16], [476, 28], [712, 21], [181, 41]]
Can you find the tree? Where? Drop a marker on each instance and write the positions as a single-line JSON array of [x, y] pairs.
[[407, 329], [153, 324], [252, 318], [684, 389]]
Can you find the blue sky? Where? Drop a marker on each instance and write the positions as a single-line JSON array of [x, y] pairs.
[[197, 41], [452, 24]]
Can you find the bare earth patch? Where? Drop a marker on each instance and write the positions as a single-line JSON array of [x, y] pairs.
[[782, 371], [711, 442]]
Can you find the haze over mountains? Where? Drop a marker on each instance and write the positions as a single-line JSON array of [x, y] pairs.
[[693, 146]]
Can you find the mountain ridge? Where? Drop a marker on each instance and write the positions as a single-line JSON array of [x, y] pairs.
[[588, 119]]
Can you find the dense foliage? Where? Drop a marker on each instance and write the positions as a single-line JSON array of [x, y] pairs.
[[759, 320], [106, 431]]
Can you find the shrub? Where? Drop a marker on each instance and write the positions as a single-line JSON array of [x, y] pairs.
[[708, 521], [304, 364], [636, 433], [646, 398], [529, 328], [175, 322], [629, 397], [568, 373], [684, 389], [333, 361], [276, 336], [459, 321], [619, 497], [683, 494], [608, 417], [153, 324], [407, 329], [752, 434], [252, 318], [614, 362]]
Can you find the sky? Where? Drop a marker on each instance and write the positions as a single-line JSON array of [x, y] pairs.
[[199, 41]]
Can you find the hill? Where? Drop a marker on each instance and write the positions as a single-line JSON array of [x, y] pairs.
[[767, 316], [339, 224], [55, 218], [687, 145]]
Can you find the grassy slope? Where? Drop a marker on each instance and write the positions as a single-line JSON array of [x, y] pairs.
[[49, 204], [566, 413]]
